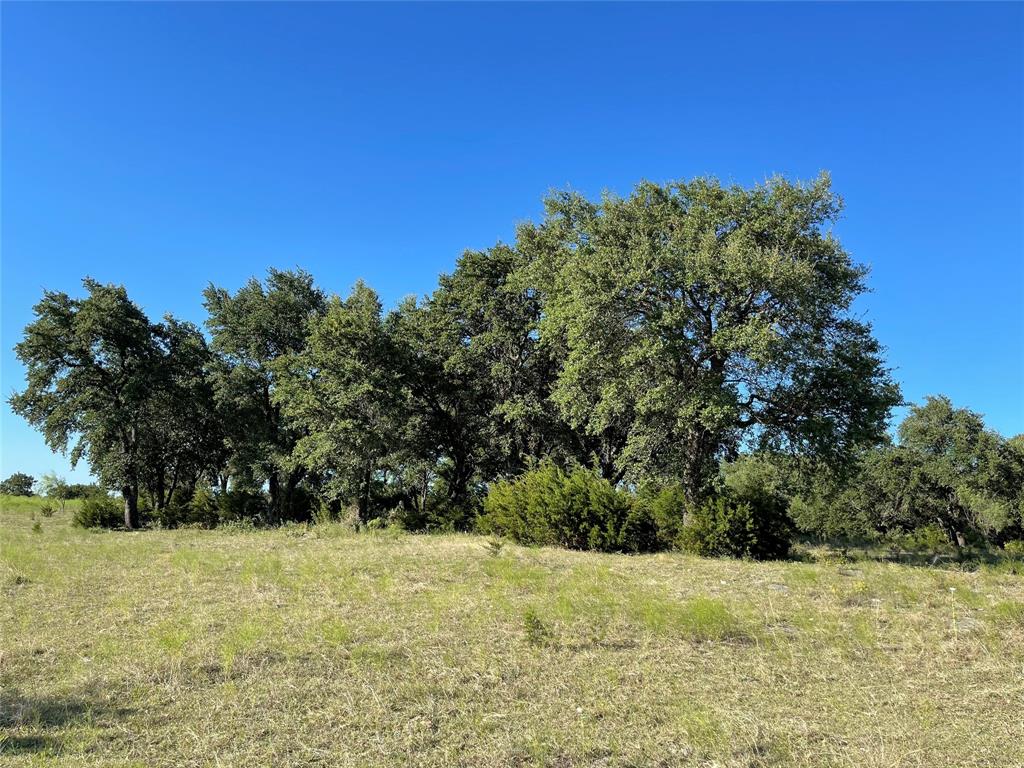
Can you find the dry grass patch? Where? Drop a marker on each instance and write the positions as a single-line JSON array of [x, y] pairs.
[[316, 646]]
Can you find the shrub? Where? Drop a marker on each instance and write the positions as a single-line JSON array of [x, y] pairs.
[[242, 506], [537, 632], [47, 509], [575, 509], [930, 539], [666, 509], [99, 511], [203, 508], [82, 490], [727, 527], [1014, 549]]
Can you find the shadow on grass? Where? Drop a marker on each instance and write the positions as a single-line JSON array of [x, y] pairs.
[[970, 558], [28, 722]]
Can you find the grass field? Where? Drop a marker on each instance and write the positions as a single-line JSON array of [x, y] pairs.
[[324, 647]]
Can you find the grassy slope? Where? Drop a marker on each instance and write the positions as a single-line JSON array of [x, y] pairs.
[[322, 647]]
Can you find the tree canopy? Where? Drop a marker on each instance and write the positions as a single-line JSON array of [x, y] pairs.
[[106, 384], [698, 319], [653, 339]]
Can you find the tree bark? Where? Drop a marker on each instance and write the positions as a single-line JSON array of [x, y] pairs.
[[275, 497], [363, 504], [131, 507]]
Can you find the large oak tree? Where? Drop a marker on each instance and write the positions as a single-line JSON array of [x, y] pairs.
[[251, 330], [127, 394], [698, 319]]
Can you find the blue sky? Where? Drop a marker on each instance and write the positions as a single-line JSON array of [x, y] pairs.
[[164, 146]]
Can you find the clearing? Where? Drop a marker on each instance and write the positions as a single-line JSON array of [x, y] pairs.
[[319, 646]]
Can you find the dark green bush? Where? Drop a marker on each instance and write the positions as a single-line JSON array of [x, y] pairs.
[[729, 527], [241, 506], [204, 508], [666, 509], [81, 490], [575, 509], [99, 511], [718, 528], [207, 508]]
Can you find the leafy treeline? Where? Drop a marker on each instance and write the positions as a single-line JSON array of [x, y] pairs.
[[18, 484], [647, 339]]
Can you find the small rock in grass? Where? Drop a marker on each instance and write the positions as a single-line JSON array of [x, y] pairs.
[[967, 624]]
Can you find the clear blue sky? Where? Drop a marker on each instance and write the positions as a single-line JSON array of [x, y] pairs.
[[164, 146]]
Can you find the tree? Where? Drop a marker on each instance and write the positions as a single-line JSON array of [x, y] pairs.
[[449, 434], [250, 331], [129, 395], [18, 484], [956, 472], [479, 378], [53, 486], [91, 372], [698, 319], [184, 441], [345, 395], [946, 469], [491, 314]]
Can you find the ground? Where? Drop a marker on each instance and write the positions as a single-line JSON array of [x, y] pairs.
[[319, 646]]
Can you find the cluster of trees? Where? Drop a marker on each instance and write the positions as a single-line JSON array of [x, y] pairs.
[[648, 338], [18, 484], [946, 471]]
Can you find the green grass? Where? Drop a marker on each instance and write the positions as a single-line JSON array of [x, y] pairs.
[[323, 647]]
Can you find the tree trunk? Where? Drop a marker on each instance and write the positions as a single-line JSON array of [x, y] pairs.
[[955, 535], [364, 493], [131, 507], [699, 466], [275, 497], [288, 502], [160, 503], [425, 492]]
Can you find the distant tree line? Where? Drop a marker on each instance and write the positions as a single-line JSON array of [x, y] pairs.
[[650, 341], [18, 484]]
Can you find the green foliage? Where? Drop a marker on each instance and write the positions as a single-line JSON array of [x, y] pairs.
[[127, 394], [55, 487], [99, 511], [947, 470], [574, 509], [347, 418], [730, 526], [693, 343], [538, 634], [696, 318], [748, 518], [251, 331], [1014, 549], [477, 379], [494, 546], [931, 539], [206, 508], [18, 484], [666, 508], [242, 505], [81, 490]]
